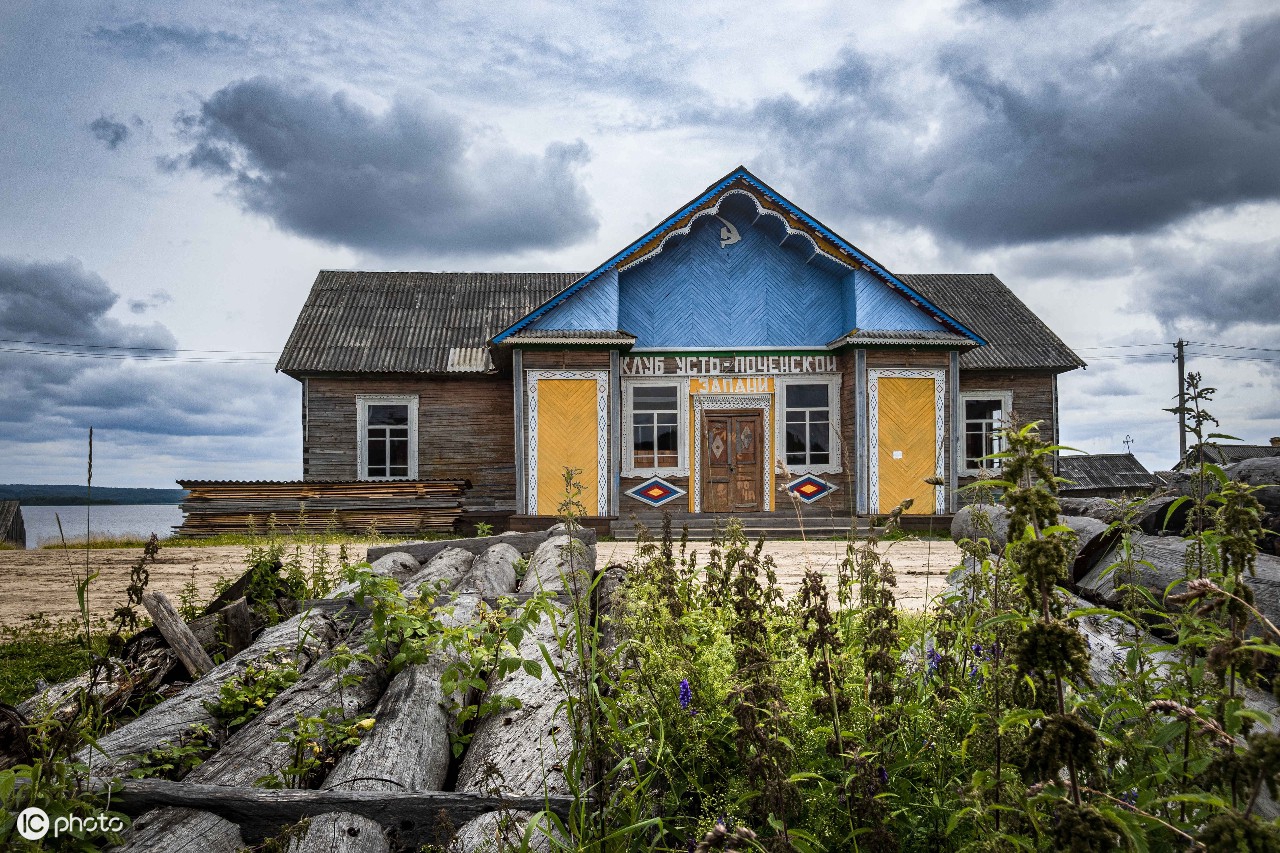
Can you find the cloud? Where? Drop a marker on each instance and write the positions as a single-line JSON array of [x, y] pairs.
[[155, 300], [141, 39], [1234, 285], [414, 178], [994, 148], [109, 132], [112, 382]]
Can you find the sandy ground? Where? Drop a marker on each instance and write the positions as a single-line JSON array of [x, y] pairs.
[[39, 581], [36, 582], [920, 567]]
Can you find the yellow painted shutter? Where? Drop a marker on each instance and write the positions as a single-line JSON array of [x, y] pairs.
[[568, 437], [908, 449]]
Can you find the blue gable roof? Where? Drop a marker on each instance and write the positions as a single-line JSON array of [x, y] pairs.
[[738, 267]]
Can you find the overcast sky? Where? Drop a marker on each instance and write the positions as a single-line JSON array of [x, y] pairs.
[[174, 174]]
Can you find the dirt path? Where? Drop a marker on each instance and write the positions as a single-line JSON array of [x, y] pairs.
[[920, 567], [38, 581]]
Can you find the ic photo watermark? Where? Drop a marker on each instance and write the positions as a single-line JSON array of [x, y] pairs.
[[34, 824]]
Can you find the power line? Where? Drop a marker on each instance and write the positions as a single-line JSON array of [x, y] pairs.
[[133, 349]]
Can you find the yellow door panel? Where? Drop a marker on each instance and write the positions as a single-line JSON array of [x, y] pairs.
[[907, 439], [568, 437]]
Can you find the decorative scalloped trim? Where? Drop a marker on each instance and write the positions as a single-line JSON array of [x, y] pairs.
[[601, 378], [939, 378], [703, 402], [714, 210]]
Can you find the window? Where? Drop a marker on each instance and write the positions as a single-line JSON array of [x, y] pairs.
[[655, 426], [984, 415], [388, 438], [808, 424]]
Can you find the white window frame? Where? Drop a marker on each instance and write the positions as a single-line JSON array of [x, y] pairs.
[[681, 468], [1006, 404], [363, 402], [832, 381]]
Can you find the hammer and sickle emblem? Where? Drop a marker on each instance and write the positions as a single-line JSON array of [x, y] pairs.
[[728, 234]]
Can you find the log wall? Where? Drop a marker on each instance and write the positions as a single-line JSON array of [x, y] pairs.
[[464, 432]]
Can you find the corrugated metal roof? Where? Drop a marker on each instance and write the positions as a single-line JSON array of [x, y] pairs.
[[1225, 454], [903, 337], [1103, 471], [1016, 338], [409, 322], [570, 336]]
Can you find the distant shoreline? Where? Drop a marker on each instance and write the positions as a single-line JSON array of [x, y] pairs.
[[66, 495]]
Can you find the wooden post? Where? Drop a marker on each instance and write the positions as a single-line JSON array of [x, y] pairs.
[[177, 634], [236, 627], [1182, 400]]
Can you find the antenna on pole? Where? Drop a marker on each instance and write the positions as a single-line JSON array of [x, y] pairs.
[[1128, 443], [1181, 346]]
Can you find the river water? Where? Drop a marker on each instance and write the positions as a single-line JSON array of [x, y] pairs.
[[110, 520]]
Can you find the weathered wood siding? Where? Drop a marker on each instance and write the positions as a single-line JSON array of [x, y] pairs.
[[1033, 399], [464, 432]]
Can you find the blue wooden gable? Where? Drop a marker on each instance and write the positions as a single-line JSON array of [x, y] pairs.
[[729, 271]]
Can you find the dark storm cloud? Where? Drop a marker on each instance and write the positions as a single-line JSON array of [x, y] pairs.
[[109, 132], [109, 382], [1116, 140], [1011, 8], [155, 300], [146, 40], [415, 178], [1232, 286]]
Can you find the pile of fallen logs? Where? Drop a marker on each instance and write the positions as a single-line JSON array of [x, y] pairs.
[[1162, 552], [400, 786]]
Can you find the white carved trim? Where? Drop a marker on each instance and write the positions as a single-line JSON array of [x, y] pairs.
[[1006, 400], [532, 378], [761, 210], [939, 378], [780, 383], [682, 424], [363, 402], [703, 402]]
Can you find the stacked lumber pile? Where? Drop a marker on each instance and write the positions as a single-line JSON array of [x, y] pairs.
[[399, 507], [400, 787]]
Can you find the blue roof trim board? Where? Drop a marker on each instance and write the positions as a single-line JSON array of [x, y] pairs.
[[740, 173]]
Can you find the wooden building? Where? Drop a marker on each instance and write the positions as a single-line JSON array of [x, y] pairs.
[[736, 355], [1104, 475]]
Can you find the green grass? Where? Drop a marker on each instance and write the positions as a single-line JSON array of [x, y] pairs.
[[41, 650]]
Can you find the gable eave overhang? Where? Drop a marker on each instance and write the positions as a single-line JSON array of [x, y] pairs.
[[637, 250]]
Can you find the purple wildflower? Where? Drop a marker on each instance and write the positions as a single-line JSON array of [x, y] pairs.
[[977, 649], [934, 659], [883, 775], [686, 694]]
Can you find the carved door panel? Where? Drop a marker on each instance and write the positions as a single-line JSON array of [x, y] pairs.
[[733, 470], [907, 443]]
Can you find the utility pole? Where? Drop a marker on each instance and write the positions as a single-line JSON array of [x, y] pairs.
[[1182, 399]]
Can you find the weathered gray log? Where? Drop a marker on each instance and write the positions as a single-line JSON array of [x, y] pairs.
[[260, 749], [112, 685], [237, 626], [262, 813], [447, 566], [522, 752], [525, 543], [396, 561], [965, 524], [1093, 538], [1167, 556], [493, 572], [301, 640], [176, 633], [558, 566], [1097, 508]]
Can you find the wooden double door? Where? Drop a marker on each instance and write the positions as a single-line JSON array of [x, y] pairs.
[[733, 461]]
